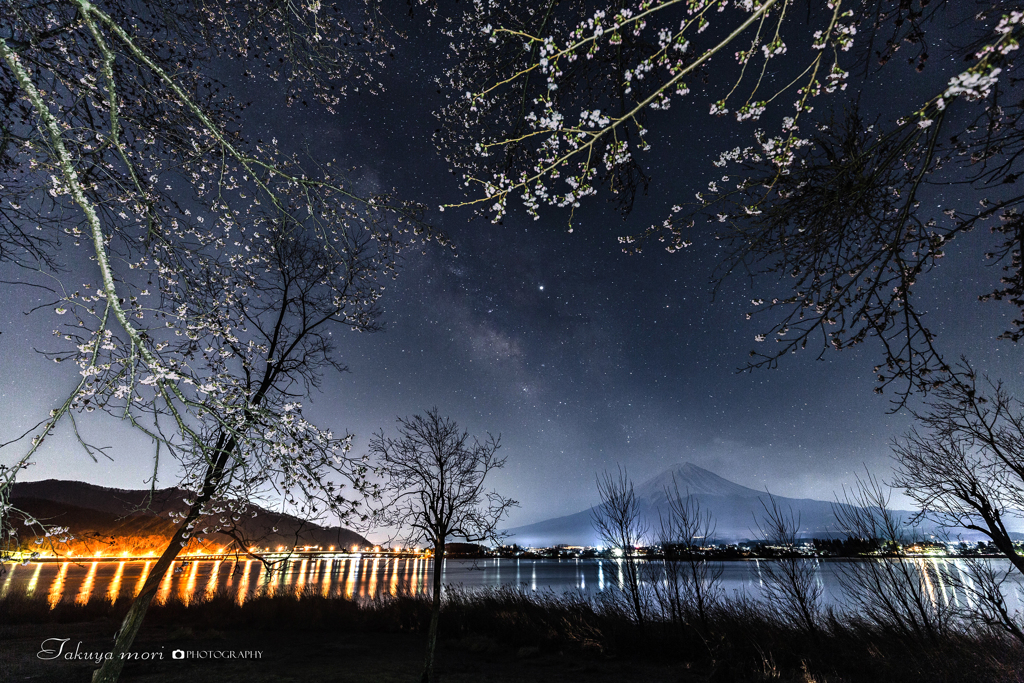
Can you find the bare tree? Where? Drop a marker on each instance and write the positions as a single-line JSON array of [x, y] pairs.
[[692, 585], [964, 464], [985, 584], [433, 475], [620, 523], [790, 584], [890, 589]]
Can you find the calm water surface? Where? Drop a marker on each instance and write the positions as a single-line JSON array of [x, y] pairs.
[[367, 576]]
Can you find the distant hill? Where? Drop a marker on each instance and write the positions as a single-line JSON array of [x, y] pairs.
[[735, 508], [99, 516], [92, 497]]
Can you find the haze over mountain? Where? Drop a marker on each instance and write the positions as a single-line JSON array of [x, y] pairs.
[[736, 510]]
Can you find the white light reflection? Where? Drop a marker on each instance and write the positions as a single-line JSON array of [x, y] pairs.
[[31, 590]]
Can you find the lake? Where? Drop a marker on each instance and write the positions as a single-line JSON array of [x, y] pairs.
[[362, 576]]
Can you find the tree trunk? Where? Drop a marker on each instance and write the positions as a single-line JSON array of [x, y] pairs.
[[633, 588], [435, 614], [110, 670]]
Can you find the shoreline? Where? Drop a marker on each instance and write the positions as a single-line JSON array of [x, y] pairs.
[[276, 557]]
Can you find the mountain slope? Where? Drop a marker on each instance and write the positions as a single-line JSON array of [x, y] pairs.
[[692, 480], [99, 516]]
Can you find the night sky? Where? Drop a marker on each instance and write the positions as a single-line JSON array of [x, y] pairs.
[[581, 357]]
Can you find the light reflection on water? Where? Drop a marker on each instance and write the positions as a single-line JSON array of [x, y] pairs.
[[85, 592], [115, 585], [369, 576], [243, 584], [142, 577], [57, 587], [33, 582]]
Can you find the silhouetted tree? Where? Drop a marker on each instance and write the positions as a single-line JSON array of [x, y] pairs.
[[432, 489], [790, 583], [986, 585], [964, 467], [619, 522], [691, 583], [892, 590]]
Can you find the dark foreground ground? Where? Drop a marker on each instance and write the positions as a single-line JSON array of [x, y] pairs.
[[312, 656], [504, 635]]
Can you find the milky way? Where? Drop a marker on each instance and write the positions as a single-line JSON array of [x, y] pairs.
[[583, 358]]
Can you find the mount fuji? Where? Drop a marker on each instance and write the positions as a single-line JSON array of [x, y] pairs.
[[736, 511]]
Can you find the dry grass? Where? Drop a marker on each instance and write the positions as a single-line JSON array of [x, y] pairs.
[[742, 642]]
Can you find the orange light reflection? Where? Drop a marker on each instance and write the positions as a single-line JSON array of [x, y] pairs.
[[371, 590], [142, 579], [186, 591], [393, 588], [353, 570], [86, 591], [57, 588], [211, 583], [115, 584], [300, 578], [31, 589], [314, 574], [326, 583], [165, 587], [243, 584]]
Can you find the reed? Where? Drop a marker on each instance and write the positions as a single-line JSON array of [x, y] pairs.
[[743, 639]]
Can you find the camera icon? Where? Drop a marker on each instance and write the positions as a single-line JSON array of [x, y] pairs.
[[177, 654]]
